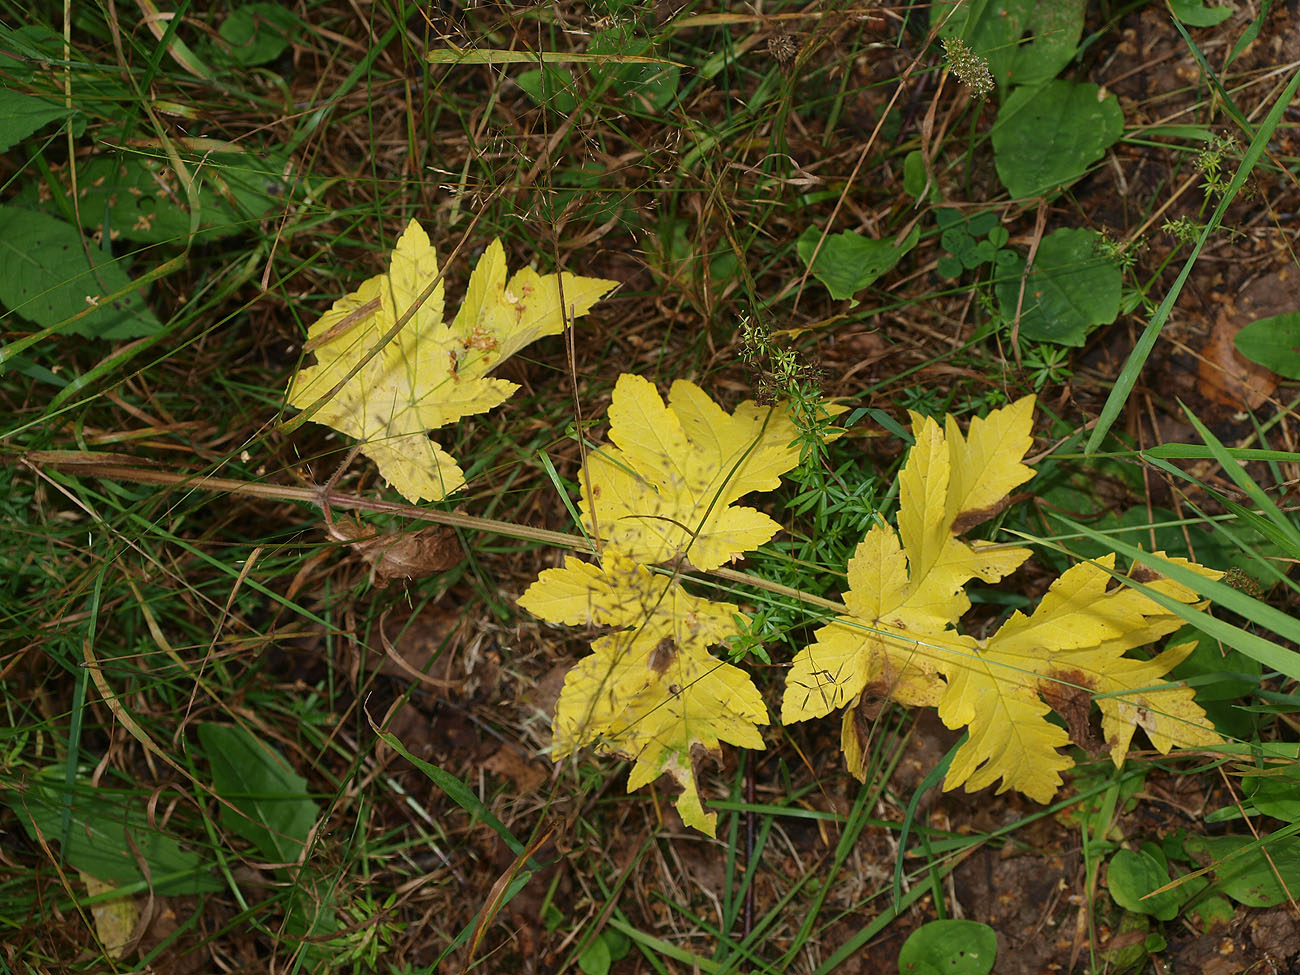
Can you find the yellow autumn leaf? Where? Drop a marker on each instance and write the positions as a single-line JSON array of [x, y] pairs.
[[666, 487], [906, 588], [115, 917], [650, 692], [899, 639], [1062, 657], [429, 374]]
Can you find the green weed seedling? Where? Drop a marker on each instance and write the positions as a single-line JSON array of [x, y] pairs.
[[971, 242], [605, 949]]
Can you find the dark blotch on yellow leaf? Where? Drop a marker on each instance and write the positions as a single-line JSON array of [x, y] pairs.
[[1068, 695], [484, 341], [663, 655], [967, 520]]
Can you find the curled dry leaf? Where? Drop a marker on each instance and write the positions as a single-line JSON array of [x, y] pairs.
[[401, 555]]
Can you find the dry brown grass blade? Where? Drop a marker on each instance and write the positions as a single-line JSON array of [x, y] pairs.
[[496, 896]]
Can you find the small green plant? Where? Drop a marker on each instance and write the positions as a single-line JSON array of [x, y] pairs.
[[605, 949], [1047, 364], [971, 242], [1209, 162], [370, 932]]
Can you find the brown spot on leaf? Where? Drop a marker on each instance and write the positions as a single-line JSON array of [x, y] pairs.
[[967, 520], [482, 340], [1140, 573], [1068, 695], [663, 655]]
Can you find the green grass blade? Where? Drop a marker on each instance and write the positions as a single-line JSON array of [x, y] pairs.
[[1138, 357], [1269, 654], [1247, 483]]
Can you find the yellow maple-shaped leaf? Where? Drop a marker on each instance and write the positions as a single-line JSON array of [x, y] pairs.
[[650, 692], [950, 484], [906, 589], [1064, 656], [899, 640], [428, 374], [666, 488]]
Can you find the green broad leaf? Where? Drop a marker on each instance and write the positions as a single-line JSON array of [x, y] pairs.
[[550, 87], [1126, 949], [1132, 876], [1276, 793], [1244, 873], [257, 33], [1195, 13], [107, 830], [949, 948], [263, 799], [653, 86], [957, 241], [35, 46], [1273, 343], [608, 947], [46, 277], [848, 262], [1211, 911], [1026, 41], [1218, 673], [981, 223], [1070, 290], [947, 217], [915, 178], [1046, 137], [140, 198], [595, 960], [22, 115]]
